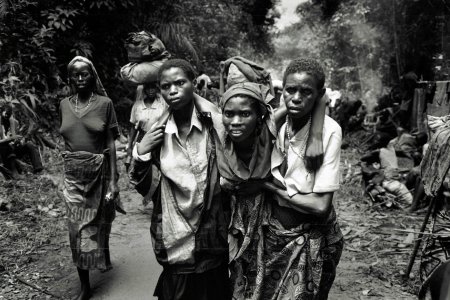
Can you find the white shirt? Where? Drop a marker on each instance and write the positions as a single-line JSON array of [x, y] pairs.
[[297, 179], [183, 184], [145, 116]]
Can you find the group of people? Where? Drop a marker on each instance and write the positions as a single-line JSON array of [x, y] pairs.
[[242, 193]]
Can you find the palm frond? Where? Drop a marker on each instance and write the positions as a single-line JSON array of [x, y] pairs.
[[174, 38]]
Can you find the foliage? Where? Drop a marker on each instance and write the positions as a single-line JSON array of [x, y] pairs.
[[39, 38], [366, 45]]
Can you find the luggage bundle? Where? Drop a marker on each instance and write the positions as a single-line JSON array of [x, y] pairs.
[[146, 54]]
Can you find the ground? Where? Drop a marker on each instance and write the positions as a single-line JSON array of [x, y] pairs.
[[35, 260]]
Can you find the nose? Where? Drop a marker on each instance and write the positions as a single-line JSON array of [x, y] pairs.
[[296, 98], [236, 121], [173, 90]]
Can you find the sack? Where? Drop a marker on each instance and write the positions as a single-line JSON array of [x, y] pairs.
[[144, 46], [140, 73]]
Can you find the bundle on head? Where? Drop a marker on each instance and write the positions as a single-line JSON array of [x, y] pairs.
[[238, 69]]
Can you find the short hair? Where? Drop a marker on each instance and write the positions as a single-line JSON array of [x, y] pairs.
[[177, 63], [309, 66]]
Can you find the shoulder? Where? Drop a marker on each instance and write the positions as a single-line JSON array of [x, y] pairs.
[[103, 100], [331, 127], [332, 132], [64, 101]]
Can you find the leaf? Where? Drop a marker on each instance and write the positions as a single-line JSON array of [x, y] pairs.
[[3, 8]]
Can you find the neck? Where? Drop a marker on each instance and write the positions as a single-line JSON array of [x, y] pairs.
[[244, 146], [244, 149], [84, 96], [297, 124], [183, 116]]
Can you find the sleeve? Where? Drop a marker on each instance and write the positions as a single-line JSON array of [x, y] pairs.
[[111, 120], [327, 177], [133, 117], [143, 157]]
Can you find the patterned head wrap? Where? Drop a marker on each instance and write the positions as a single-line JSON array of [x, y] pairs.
[[99, 89]]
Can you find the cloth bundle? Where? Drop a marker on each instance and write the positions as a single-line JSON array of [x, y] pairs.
[[146, 54], [238, 70]]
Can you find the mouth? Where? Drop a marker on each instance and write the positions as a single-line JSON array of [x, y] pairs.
[[236, 132], [174, 100]]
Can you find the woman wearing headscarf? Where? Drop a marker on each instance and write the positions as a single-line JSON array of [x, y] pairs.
[[250, 126], [89, 128]]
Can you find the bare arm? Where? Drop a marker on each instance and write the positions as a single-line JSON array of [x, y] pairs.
[[318, 204], [314, 149], [110, 142], [280, 114], [131, 138]]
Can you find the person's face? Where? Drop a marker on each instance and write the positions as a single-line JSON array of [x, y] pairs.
[[81, 77], [239, 118], [176, 88], [150, 90], [300, 92]]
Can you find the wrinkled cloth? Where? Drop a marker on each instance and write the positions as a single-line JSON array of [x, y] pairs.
[[440, 95], [300, 263], [145, 46], [436, 161], [99, 89], [86, 177], [251, 70], [436, 250], [248, 212]]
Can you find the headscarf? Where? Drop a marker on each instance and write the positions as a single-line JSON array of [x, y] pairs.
[[256, 91], [230, 167], [99, 89]]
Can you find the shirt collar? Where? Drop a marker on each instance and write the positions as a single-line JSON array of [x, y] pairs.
[[171, 126]]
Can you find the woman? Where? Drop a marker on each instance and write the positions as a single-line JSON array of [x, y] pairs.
[[303, 243], [89, 128], [244, 162]]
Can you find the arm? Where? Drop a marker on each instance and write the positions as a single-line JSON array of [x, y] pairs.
[[110, 142], [280, 114], [318, 204], [314, 149], [131, 138]]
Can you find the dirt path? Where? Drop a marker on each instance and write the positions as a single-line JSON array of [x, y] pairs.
[[370, 267], [136, 270]]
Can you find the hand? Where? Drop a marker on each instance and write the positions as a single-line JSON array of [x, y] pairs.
[[249, 188], [151, 140], [314, 153], [113, 189]]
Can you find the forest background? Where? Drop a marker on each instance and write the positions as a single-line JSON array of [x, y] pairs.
[[366, 45]]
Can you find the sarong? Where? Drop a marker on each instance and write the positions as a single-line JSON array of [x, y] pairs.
[[246, 244], [89, 215], [300, 263]]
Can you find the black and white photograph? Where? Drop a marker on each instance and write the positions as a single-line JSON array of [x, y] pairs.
[[224, 149]]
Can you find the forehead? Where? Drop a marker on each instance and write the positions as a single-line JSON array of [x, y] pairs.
[[301, 79], [239, 103], [173, 73], [80, 66]]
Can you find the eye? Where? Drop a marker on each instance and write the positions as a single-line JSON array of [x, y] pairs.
[[180, 82], [306, 92], [291, 90], [245, 114], [165, 86], [228, 114]]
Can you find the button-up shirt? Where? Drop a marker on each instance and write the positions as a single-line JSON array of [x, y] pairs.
[[183, 183]]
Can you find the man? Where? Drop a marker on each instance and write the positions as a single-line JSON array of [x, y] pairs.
[[189, 222]]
